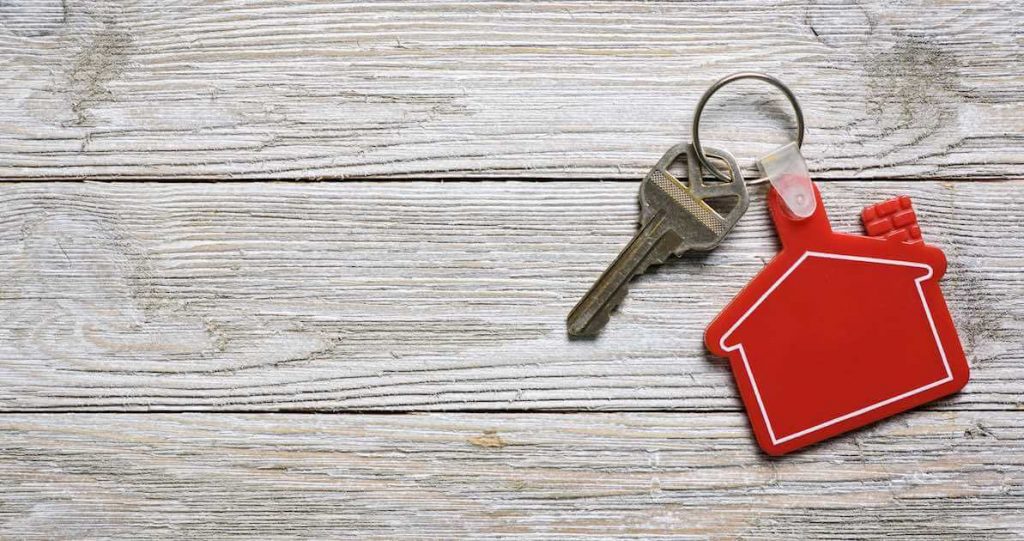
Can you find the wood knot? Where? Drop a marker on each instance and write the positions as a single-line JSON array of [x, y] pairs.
[[489, 438]]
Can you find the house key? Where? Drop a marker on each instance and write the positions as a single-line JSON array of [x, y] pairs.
[[674, 218]]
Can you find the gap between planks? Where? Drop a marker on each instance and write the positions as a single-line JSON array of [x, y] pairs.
[[454, 180]]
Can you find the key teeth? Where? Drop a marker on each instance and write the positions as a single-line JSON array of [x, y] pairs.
[[659, 259], [656, 260], [587, 319], [602, 317], [595, 326]]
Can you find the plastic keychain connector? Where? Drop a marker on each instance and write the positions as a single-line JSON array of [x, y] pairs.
[[787, 171]]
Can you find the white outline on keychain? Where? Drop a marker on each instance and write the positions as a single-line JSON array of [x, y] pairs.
[[927, 311]]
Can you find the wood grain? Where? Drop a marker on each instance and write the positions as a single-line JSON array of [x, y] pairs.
[[934, 475], [235, 89], [412, 296], [418, 295]]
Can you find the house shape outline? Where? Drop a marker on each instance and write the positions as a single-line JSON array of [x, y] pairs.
[[764, 296]]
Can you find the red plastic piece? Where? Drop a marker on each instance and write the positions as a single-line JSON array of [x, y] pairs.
[[892, 219], [840, 330]]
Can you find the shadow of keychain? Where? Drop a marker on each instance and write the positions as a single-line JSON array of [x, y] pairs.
[[838, 330]]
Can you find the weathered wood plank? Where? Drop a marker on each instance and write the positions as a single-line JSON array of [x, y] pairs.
[[238, 89], [417, 295], [934, 475]]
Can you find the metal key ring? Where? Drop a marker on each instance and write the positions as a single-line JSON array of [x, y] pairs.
[[718, 86]]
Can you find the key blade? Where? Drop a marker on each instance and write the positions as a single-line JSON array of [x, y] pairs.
[[650, 246]]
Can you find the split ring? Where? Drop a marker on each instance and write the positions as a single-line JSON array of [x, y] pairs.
[[718, 86]]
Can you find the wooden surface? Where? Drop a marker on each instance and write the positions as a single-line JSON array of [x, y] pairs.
[[386, 359], [957, 475], [418, 295], [238, 89]]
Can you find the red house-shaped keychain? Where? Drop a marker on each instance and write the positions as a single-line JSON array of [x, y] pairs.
[[839, 330]]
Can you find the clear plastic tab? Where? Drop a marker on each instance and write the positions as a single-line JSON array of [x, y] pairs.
[[787, 171]]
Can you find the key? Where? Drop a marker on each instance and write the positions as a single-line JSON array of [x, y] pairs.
[[674, 218]]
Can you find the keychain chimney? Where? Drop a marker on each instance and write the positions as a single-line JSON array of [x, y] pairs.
[[892, 219]]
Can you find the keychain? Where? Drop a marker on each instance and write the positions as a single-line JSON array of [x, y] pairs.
[[838, 330]]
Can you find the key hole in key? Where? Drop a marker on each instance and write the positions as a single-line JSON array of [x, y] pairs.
[[724, 204], [678, 169]]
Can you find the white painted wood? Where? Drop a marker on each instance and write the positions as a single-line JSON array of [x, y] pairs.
[[418, 295], [451, 296], [236, 89], [934, 475]]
